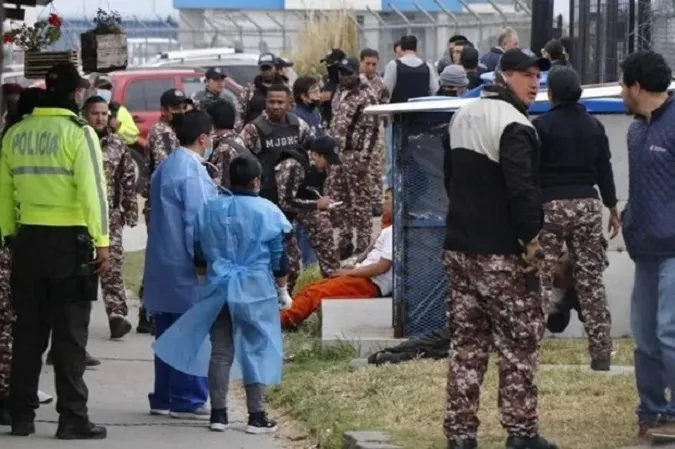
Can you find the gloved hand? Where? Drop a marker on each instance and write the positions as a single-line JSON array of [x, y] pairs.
[[532, 255], [285, 300]]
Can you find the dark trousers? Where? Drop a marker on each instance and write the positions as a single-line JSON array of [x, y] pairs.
[[51, 293]]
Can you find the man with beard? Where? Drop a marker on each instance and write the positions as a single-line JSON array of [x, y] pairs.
[[252, 99], [161, 140], [122, 209], [492, 255], [357, 135], [329, 83]]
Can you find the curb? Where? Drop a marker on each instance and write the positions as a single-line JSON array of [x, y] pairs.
[[367, 439]]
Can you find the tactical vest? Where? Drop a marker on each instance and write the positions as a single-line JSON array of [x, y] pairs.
[[313, 182], [411, 82], [275, 139], [256, 104]]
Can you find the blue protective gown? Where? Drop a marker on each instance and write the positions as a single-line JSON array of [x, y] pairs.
[[179, 189], [239, 237]]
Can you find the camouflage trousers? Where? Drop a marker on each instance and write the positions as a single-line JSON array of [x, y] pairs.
[[294, 259], [6, 319], [320, 231], [112, 282], [351, 185], [492, 303], [377, 169], [577, 223]]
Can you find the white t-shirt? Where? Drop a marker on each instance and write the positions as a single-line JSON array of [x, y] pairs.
[[383, 249]]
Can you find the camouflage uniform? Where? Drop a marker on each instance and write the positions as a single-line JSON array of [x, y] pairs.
[[578, 223], [7, 317], [247, 94], [492, 302], [122, 209], [249, 136], [290, 175], [349, 182], [376, 165], [223, 153], [161, 141]]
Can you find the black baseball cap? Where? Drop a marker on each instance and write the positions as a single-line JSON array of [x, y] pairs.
[[334, 56], [326, 146], [283, 62], [103, 81], [267, 60], [350, 65], [173, 97], [65, 77], [518, 60], [214, 73]]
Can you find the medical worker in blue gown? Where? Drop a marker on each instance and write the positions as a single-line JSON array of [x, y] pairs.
[[239, 237], [179, 189]]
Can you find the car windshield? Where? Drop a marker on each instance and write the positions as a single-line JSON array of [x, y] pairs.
[[242, 74]]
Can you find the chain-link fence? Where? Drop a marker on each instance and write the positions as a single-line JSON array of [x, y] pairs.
[[657, 28]]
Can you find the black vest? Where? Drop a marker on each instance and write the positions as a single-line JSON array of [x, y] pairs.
[[411, 82], [275, 139], [256, 105], [314, 180]]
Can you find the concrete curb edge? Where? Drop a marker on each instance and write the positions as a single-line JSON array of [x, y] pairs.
[[367, 439]]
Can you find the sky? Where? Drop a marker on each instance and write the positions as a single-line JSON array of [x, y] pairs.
[[152, 8]]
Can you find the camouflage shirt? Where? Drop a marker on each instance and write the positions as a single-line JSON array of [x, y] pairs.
[[249, 135], [223, 153], [204, 97], [355, 130], [161, 141], [289, 175], [121, 178], [246, 95], [381, 92]]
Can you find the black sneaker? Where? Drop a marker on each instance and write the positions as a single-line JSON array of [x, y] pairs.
[[537, 442], [219, 422], [601, 364], [119, 326], [144, 325], [23, 428], [88, 431], [259, 423], [467, 443], [92, 362]]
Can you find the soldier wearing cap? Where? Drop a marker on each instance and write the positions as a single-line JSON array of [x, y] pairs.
[[214, 89], [329, 83], [121, 122], [285, 69], [357, 135], [161, 141], [253, 97], [300, 186], [492, 255], [52, 166]]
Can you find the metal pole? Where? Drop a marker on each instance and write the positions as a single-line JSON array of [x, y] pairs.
[[476, 16], [498, 9], [255, 24], [283, 30], [449, 13], [524, 7], [402, 16], [542, 24]]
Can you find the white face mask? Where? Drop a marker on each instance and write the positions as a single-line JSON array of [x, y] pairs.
[[105, 94]]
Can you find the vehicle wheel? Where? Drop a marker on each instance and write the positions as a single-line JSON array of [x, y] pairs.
[[140, 168]]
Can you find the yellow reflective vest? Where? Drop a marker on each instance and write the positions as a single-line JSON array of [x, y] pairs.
[[128, 130], [51, 165]]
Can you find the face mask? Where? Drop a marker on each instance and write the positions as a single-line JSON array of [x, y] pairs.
[[207, 153], [105, 94]]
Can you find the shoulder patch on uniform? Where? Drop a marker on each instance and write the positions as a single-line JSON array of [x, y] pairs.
[[79, 121]]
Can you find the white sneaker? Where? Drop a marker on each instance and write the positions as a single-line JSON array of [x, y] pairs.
[[159, 412], [202, 413], [44, 398]]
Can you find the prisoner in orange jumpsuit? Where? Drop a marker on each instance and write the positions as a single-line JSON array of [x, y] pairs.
[[370, 277]]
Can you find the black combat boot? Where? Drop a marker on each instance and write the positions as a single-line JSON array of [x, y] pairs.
[[537, 442], [80, 431], [601, 364], [465, 443], [5, 418], [144, 325], [346, 252], [119, 326]]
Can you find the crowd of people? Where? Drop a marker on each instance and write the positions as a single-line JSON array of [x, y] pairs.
[[244, 193]]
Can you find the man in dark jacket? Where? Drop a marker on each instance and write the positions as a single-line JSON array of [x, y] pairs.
[[492, 254], [307, 95], [507, 40], [575, 157]]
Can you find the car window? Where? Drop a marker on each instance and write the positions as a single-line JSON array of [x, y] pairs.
[[242, 74], [144, 94], [192, 85]]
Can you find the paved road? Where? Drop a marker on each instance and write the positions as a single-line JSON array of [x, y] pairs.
[[118, 398]]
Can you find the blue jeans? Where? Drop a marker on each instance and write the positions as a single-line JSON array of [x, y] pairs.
[[308, 255], [388, 156], [653, 326], [174, 390]]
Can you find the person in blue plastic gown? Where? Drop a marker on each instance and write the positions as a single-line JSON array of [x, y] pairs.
[[239, 238], [180, 187]]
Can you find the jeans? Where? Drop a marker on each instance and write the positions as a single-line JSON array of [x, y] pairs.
[[388, 156], [308, 255], [653, 327], [174, 390]]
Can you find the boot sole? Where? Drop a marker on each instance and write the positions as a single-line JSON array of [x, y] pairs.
[[102, 436], [123, 330]]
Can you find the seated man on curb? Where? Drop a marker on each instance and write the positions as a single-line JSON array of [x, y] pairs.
[[371, 277]]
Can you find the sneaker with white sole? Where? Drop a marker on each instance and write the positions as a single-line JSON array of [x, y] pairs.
[[159, 412], [200, 413], [259, 423], [44, 398], [219, 422]]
